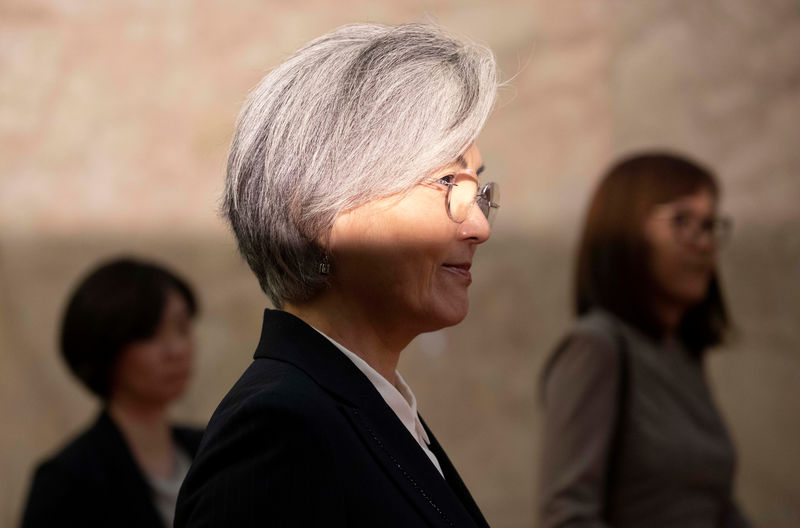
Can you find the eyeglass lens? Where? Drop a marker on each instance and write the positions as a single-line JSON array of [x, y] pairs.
[[464, 193], [462, 196], [688, 227]]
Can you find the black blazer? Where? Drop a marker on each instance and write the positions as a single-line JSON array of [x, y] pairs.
[[94, 481], [303, 439]]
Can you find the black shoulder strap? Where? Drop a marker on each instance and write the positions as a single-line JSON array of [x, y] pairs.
[[616, 444]]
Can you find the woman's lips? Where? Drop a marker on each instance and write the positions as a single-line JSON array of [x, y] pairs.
[[462, 270]]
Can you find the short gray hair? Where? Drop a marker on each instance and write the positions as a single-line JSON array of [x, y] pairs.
[[363, 112]]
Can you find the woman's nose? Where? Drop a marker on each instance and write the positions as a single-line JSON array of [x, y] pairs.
[[704, 239], [180, 347], [475, 226]]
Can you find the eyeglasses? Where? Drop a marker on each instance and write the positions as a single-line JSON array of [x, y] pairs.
[[688, 228], [463, 191]]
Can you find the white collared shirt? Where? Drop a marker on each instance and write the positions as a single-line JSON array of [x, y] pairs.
[[398, 397]]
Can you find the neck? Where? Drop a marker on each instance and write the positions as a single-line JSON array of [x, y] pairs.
[[375, 340], [136, 414], [147, 432], [669, 314]]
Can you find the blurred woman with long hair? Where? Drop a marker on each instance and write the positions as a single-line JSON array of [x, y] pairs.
[[631, 434]]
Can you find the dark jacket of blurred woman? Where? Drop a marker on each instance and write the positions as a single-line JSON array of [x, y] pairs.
[[127, 336], [353, 192], [631, 435]]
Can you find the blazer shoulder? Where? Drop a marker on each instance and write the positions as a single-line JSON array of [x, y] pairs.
[[79, 455], [598, 325], [66, 482], [588, 350], [272, 404], [279, 388]]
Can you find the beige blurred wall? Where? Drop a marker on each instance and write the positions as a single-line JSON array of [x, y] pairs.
[[114, 124]]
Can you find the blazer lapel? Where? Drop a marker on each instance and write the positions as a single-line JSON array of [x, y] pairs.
[[454, 479], [287, 338], [404, 460], [132, 497]]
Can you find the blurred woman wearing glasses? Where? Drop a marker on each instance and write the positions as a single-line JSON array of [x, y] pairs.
[[631, 435], [353, 191]]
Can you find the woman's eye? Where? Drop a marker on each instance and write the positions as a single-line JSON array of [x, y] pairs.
[[681, 219], [449, 179]]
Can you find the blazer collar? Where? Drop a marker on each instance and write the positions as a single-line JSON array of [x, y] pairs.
[[289, 339], [286, 338]]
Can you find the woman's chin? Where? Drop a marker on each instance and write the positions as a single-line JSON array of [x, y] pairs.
[[694, 294], [169, 393], [449, 314]]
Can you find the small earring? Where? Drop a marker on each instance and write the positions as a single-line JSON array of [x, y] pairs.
[[325, 265]]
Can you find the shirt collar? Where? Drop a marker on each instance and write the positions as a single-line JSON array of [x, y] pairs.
[[398, 397]]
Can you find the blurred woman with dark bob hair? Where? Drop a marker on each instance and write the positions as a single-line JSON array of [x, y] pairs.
[[631, 436], [353, 191], [127, 336]]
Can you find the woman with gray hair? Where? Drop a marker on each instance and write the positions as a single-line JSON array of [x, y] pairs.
[[353, 192]]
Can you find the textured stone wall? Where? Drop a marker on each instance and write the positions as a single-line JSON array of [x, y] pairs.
[[114, 124]]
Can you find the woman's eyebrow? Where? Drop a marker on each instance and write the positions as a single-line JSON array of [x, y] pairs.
[[463, 164]]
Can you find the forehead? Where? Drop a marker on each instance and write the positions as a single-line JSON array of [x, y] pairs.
[[702, 200], [469, 161], [471, 158]]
